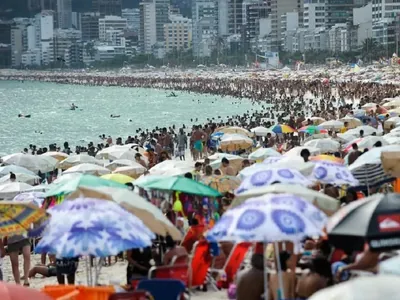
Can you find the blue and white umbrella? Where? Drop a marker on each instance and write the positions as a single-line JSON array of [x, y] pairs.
[[270, 176], [332, 173], [269, 218], [95, 227], [367, 168], [36, 198]]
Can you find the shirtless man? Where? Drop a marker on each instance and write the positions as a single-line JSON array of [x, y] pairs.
[[197, 139], [226, 169], [288, 263]]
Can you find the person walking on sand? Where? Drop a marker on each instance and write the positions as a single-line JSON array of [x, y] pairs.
[[15, 245], [181, 141]]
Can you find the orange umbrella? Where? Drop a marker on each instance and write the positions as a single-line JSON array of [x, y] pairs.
[[17, 292]]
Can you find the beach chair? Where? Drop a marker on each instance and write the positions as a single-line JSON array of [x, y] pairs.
[[135, 295], [199, 264], [179, 260], [163, 289], [178, 272], [232, 264]]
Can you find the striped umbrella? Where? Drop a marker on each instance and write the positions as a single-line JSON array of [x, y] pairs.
[[312, 129], [367, 168], [278, 128]]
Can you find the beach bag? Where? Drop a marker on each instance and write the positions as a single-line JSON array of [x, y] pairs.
[[391, 163]]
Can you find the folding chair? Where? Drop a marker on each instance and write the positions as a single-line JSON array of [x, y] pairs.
[[163, 289]]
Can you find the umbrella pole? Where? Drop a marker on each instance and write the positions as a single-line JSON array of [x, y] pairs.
[[281, 294], [87, 271], [265, 271]]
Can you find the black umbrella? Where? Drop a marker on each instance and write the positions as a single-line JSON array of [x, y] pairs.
[[374, 220]]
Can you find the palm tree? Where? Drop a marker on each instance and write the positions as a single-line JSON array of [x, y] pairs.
[[371, 49]]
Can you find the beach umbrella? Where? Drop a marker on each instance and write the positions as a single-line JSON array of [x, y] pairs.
[[234, 130], [271, 176], [171, 165], [85, 226], [392, 104], [116, 152], [149, 214], [368, 130], [358, 113], [263, 153], [70, 184], [366, 142], [11, 189], [351, 121], [367, 168], [36, 198], [269, 218], [328, 172], [77, 159], [261, 131], [19, 177], [317, 120], [59, 156], [6, 170], [297, 150], [391, 122], [234, 160], [312, 129], [222, 184], [34, 163], [120, 178], [369, 105], [12, 291], [395, 111], [392, 140], [234, 142], [17, 217], [328, 158], [132, 171], [125, 163], [363, 288], [324, 145], [278, 128], [88, 169], [390, 266], [346, 137], [143, 180], [332, 125], [324, 202], [39, 188], [374, 220], [182, 184]]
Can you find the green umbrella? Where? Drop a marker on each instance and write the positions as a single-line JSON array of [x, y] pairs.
[[147, 179], [69, 185], [183, 184]]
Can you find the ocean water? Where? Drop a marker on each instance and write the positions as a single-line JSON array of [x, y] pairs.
[[52, 122]]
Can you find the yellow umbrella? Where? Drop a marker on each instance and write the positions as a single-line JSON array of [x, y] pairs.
[[222, 184], [120, 178], [234, 129], [17, 217]]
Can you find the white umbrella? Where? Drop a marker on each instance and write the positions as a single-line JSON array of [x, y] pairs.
[[351, 121], [366, 142], [368, 130], [15, 169], [332, 124], [262, 131], [263, 153], [297, 150], [325, 145], [34, 163], [229, 157], [369, 105], [39, 188], [122, 163], [88, 169], [234, 142], [36, 198], [324, 202], [390, 266], [317, 120], [168, 165], [116, 152], [20, 177], [74, 160], [10, 190], [392, 104], [57, 155], [132, 170], [392, 140], [345, 137], [391, 121], [383, 287]]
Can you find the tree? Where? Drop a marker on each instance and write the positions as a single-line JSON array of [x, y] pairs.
[[371, 50], [90, 49]]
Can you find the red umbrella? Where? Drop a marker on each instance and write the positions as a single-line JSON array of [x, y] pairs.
[[17, 292]]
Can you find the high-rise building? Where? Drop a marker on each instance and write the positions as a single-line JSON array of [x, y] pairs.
[[111, 22], [162, 17], [235, 16], [178, 33], [148, 30], [132, 15], [278, 9], [107, 7], [64, 14], [90, 26], [341, 12], [314, 14], [44, 28], [65, 43], [205, 26], [385, 10], [18, 45]]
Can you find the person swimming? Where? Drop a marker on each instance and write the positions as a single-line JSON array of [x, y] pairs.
[[115, 116], [73, 106], [23, 116]]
